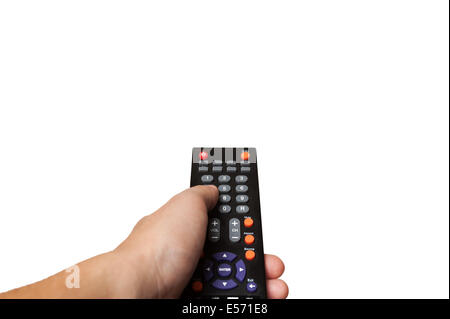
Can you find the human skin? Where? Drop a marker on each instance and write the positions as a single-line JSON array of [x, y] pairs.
[[156, 260]]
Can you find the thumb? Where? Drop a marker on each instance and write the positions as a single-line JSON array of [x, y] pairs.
[[190, 207]]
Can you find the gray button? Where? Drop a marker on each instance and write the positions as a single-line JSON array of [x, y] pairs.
[[242, 198], [231, 163], [224, 178], [214, 230], [203, 168], [235, 230], [241, 179], [207, 178], [224, 209], [224, 198], [242, 209], [245, 163], [217, 168], [224, 188], [231, 169], [217, 162], [245, 169], [241, 188]]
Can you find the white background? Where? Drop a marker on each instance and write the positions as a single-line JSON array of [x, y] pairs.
[[345, 101]]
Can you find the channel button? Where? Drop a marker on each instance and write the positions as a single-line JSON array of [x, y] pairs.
[[235, 230]]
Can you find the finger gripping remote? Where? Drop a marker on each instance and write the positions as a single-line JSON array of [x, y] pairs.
[[232, 265]]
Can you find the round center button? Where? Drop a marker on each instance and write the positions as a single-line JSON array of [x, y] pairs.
[[224, 270]]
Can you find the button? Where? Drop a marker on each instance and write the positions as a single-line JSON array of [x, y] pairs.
[[241, 179], [197, 286], [240, 270], [251, 287], [224, 188], [224, 178], [217, 162], [241, 209], [231, 169], [224, 284], [245, 156], [203, 155], [224, 256], [241, 188], [245, 169], [248, 222], [250, 255], [242, 198], [224, 209], [214, 230], [207, 178], [225, 198], [203, 168], [231, 163], [217, 168], [224, 270], [249, 239], [234, 230], [208, 270]]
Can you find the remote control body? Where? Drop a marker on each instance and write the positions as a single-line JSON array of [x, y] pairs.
[[233, 262]]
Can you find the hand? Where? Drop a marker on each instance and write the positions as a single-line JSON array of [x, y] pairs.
[[166, 246], [157, 259]]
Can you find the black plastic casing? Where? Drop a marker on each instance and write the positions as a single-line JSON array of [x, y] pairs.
[[255, 271]]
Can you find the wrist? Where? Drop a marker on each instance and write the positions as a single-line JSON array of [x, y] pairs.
[[131, 276]]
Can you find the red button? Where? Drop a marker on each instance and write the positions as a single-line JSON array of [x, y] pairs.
[[203, 155], [197, 286], [248, 222], [250, 255], [245, 156], [249, 239]]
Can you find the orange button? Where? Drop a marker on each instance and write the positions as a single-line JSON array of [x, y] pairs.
[[248, 222], [245, 156], [249, 239], [197, 286], [250, 255]]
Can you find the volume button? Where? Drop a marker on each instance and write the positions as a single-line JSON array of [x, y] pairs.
[[214, 230]]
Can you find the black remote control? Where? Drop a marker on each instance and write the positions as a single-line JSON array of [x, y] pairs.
[[233, 262]]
